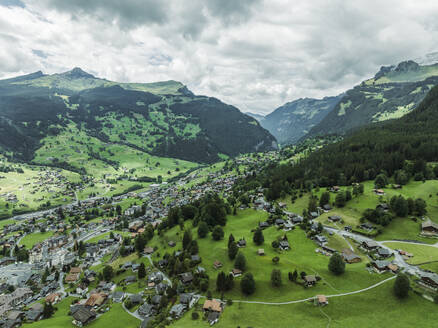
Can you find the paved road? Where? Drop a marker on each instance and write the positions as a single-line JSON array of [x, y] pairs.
[[134, 314], [166, 278]]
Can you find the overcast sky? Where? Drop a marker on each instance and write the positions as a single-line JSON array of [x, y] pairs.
[[255, 55]]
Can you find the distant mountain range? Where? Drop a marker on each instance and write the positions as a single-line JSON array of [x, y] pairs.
[[164, 118], [393, 92]]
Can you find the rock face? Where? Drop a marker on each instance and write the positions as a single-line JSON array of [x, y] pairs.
[[163, 118], [392, 93], [293, 120]]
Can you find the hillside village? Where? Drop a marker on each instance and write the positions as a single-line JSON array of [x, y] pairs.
[[76, 259]]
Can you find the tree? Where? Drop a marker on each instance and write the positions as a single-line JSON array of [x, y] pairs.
[[258, 237], [230, 239], [420, 207], [340, 199], [325, 199], [108, 272], [400, 206], [187, 239], [336, 264], [48, 310], [218, 233], [202, 229], [220, 281], [232, 250], [141, 271], [312, 206], [276, 278], [381, 181], [240, 262], [247, 284], [401, 286], [275, 259]]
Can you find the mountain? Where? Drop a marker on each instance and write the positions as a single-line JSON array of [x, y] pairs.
[[397, 147], [294, 119], [166, 119], [258, 117], [393, 92]]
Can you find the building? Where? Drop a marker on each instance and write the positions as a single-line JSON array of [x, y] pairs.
[[429, 228]]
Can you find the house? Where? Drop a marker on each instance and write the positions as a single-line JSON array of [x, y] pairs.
[[148, 250], [213, 317], [429, 280], [196, 258], [321, 300], [335, 189], [328, 249], [241, 243], [260, 252], [118, 296], [186, 277], [309, 280], [320, 239], [135, 298], [83, 316], [72, 277], [263, 225], [366, 226], [187, 299], [213, 306], [96, 299], [350, 257], [370, 245], [161, 288], [383, 207], [334, 218], [380, 266], [53, 298], [384, 252], [314, 215], [81, 289], [34, 315], [171, 243], [287, 226], [297, 219], [146, 310], [326, 207], [177, 310], [155, 300], [284, 245], [75, 270], [130, 279], [379, 192], [279, 222], [429, 228], [236, 273], [282, 205]]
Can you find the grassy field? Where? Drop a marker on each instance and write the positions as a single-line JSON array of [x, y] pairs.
[[374, 308], [302, 257], [422, 253], [35, 238]]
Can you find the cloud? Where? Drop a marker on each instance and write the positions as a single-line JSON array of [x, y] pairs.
[[255, 55]]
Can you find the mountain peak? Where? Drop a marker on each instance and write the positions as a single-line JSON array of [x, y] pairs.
[[77, 73]]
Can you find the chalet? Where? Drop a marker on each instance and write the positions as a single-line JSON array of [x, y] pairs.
[[297, 219], [177, 310], [384, 252], [350, 257], [328, 249], [148, 250], [335, 189], [321, 300], [370, 245], [236, 273], [34, 315], [320, 239], [379, 192], [217, 264], [187, 299], [383, 207], [326, 208], [309, 280], [171, 243], [156, 300], [146, 310], [260, 252], [163, 263], [118, 296], [284, 245], [130, 279], [263, 225], [366, 226], [279, 222], [241, 243], [53, 298], [195, 258], [429, 280], [213, 317], [287, 226], [380, 266], [135, 299], [334, 218], [186, 277], [213, 306], [161, 288], [96, 300], [314, 215], [82, 316], [429, 228], [72, 277]]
